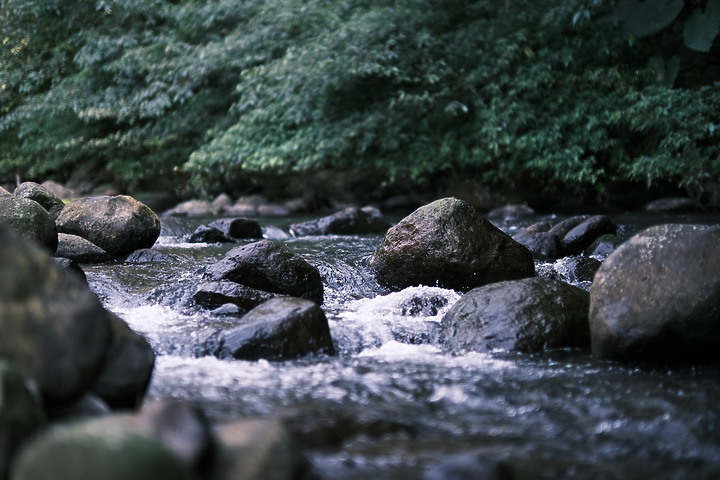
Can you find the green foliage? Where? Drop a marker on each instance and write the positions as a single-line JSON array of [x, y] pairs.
[[224, 91]]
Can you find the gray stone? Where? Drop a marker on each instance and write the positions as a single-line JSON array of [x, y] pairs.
[[116, 447], [217, 294], [29, 219], [657, 297], [128, 367], [118, 224], [51, 324], [239, 228], [585, 233], [258, 450], [528, 315], [282, 328], [47, 199], [21, 412], [207, 234], [448, 244], [349, 221], [80, 250], [271, 267]]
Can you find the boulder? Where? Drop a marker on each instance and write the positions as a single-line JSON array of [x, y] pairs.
[[350, 221], [47, 199], [271, 267], [115, 447], [282, 328], [80, 250], [603, 246], [128, 367], [217, 294], [191, 208], [118, 224], [150, 255], [21, 412], [448, 244], [672, 204], [657, 297], [528, 315], [29, 219], [239, 227], [538, 239], [207, 234], [258, 449], [585, 233], [51, 324]]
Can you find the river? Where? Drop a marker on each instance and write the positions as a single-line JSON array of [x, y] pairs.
[[395, 405]]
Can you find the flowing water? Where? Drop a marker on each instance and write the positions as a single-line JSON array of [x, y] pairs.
[[391, 405]]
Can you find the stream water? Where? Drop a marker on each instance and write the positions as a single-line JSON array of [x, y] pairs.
[[399, 405]]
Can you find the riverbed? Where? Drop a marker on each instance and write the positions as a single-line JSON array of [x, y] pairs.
[[391, 404]]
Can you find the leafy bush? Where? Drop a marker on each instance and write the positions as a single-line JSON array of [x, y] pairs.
[[510, 93]]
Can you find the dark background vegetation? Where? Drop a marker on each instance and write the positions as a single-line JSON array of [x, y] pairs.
[[521, 97]]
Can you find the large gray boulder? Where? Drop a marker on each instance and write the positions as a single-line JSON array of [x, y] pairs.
[[29, 219], [528, 315], [47, 199], [21, 412], [271, 267], [117, 224], [349, 221], [657, 297], [51, 324], [282, 328], [114, 447], [448, 244]]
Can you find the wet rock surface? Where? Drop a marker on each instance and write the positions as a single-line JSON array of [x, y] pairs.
[[448, 244]]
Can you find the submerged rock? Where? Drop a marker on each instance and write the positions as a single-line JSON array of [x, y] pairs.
[[448, 244], [118, 224], [657, 297], [282, 328], [207, 234], [270, 267], [528, 315], [350, 221], [51, 324], [239, 228], [29, 219]]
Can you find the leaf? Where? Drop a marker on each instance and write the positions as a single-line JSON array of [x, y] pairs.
[[643, 18], [702, 27]]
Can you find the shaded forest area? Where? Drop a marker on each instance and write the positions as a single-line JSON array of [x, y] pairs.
[[587, 97]]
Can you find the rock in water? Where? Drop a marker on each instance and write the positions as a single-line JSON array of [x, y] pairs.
[[350, 221], [448, 244], [51, 324], [118, 224], [657, 297], [270, 267], [282, 328], [528, 315]]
